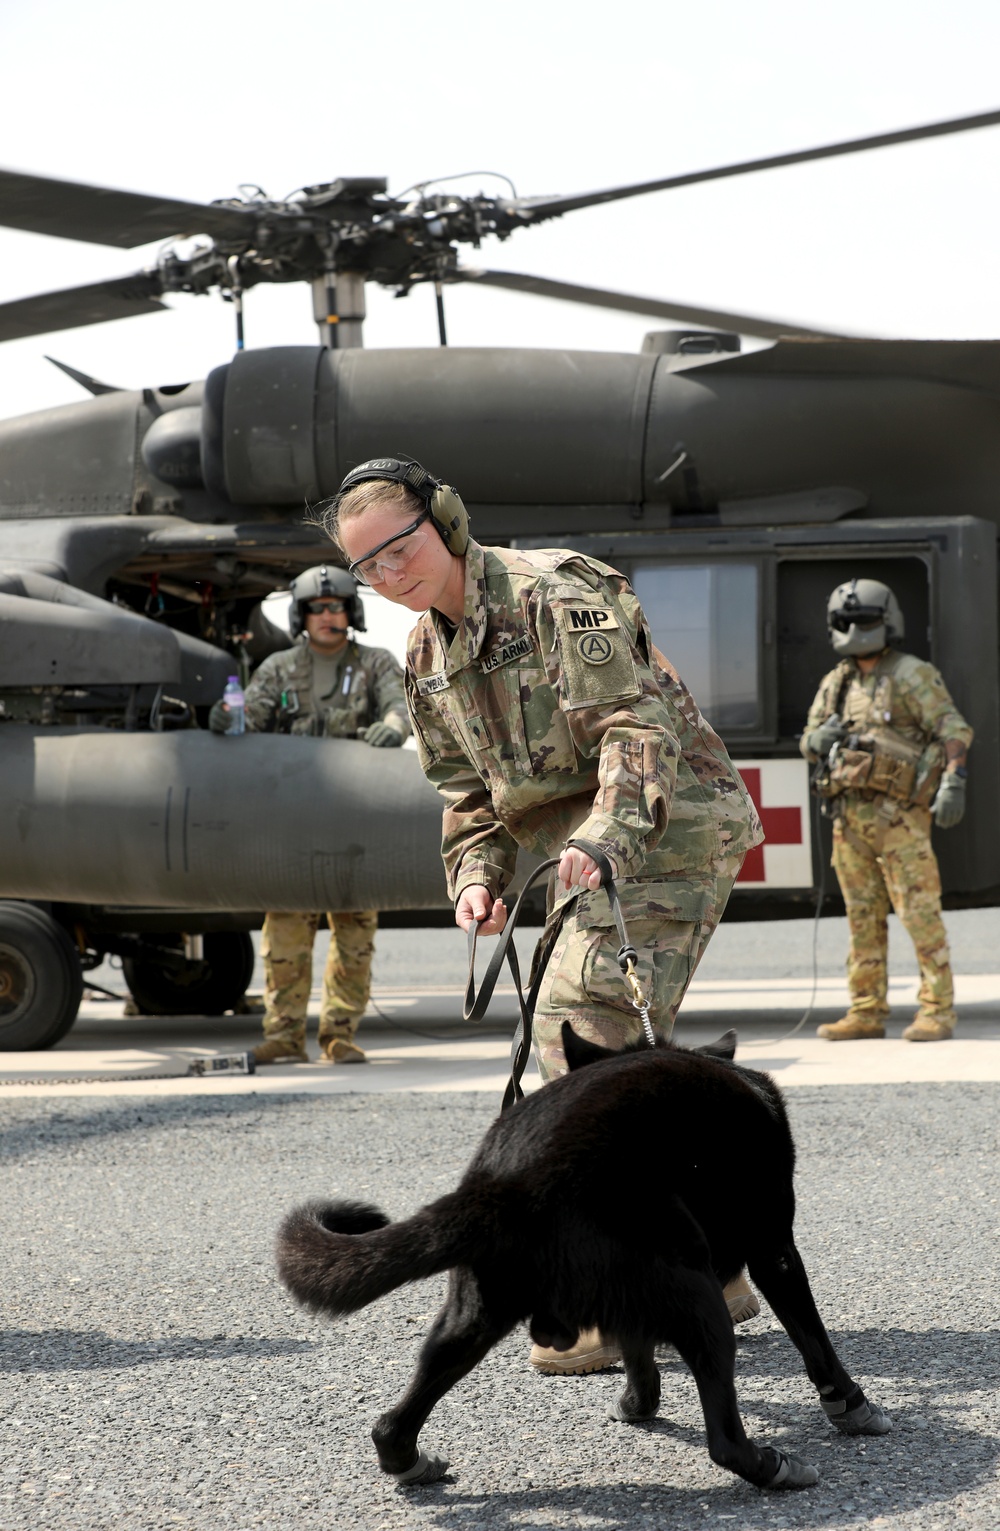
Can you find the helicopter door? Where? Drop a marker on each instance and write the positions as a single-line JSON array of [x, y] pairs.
[[803, 589]]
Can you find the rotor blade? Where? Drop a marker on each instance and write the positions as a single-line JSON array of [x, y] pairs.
[[551, 207], [656, 308], [92, 384], [100, 216], [120, 298]]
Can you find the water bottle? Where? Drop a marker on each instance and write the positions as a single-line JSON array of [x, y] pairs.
[[233, 698]]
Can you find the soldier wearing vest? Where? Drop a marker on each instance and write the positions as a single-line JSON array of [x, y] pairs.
[[543, 713], [327, 686], [890, 748]]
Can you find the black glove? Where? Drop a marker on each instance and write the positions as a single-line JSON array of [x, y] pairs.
[[382, 736], [219, 718], [820, 741], [948, 806]]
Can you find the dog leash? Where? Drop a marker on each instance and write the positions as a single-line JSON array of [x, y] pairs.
[[477, 1003], [627, 954]]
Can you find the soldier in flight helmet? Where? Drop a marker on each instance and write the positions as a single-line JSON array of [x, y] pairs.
[[889, 745], [863, 617], [313, 585], [326, 686]]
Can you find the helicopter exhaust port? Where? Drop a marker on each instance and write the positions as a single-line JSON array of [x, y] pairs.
[[171, 448]]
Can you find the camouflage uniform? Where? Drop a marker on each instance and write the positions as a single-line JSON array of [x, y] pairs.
[[881, 845], [549, 715], [367, 688]]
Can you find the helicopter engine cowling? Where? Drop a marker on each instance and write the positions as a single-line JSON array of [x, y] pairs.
[[800, 432], [176, 821], [513, 427]]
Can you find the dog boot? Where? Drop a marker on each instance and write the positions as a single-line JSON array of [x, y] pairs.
[[281, 1050], [851, 1028], [340, 1050], [741, 1300], [591, 1353], [926, 1029]]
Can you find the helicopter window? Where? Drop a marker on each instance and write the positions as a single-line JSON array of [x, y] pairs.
[[704, 617]]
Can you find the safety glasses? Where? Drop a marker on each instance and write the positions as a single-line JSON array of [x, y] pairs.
[[394, 553], [335, 608]]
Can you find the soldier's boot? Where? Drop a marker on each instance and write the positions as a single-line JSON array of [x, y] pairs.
[[341, 1050], [851, 1028], [289, 1048], [741, 1300], [927, 1029], [591, 1353]]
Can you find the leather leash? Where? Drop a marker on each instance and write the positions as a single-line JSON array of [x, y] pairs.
[[477, 1003]]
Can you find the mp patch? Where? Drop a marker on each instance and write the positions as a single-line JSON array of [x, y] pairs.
[[510, 651], [427, 685], [595, 648], [589, 619]]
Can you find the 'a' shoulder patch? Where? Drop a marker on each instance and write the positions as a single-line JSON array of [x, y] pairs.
[[504, 655], [427, 685], [588, 619]]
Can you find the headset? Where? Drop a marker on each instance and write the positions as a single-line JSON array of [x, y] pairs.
[[443, 502]]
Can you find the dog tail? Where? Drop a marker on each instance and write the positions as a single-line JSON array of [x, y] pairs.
[[336, 1257]]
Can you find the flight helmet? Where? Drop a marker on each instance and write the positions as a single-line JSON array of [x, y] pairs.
[[863, 617], [313, 585]]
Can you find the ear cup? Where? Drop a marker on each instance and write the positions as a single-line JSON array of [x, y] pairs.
[[451, 518]]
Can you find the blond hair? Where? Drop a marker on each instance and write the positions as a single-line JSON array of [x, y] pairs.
[[377, 491]]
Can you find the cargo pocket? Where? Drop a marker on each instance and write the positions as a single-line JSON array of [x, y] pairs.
[[664, 919]]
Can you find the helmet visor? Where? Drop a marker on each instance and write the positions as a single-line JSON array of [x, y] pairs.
[[858, 616]]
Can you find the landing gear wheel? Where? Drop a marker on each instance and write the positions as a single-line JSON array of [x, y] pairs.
[[41, 983], [208, 987]]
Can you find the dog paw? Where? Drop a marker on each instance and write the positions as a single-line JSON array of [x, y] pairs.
[[792, 1473], [866, 1419], [625, 1415], [428, 1468]]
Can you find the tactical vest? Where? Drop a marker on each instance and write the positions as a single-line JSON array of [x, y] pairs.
[[875, 759]]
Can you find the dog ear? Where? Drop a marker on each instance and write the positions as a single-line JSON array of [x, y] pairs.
[[578, 1052], [724, 1047]]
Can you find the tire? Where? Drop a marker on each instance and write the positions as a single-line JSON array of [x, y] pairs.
[[198, 988], [41, 982]]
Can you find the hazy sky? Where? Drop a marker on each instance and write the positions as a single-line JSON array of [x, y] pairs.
[[190, 101]]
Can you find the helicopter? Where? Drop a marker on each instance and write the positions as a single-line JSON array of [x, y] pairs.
[[141, 533]]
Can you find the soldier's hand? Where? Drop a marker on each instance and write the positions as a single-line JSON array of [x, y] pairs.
[[219, 718], [948, 806], [477, 906], [382, 736], [822, 739], [578, 870]]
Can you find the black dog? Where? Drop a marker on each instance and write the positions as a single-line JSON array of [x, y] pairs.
[[606, 1200]]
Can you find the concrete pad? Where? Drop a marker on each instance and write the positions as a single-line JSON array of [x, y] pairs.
[[416, 1041]]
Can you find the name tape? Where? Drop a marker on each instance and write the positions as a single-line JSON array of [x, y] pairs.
[[428, 684]]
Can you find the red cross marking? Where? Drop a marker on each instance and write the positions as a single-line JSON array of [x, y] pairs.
[[782, 826]]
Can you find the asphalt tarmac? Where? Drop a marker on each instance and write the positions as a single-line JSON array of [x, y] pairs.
[[154, 1374]]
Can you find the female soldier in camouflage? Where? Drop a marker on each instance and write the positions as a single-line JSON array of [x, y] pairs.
[[543, 714]]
